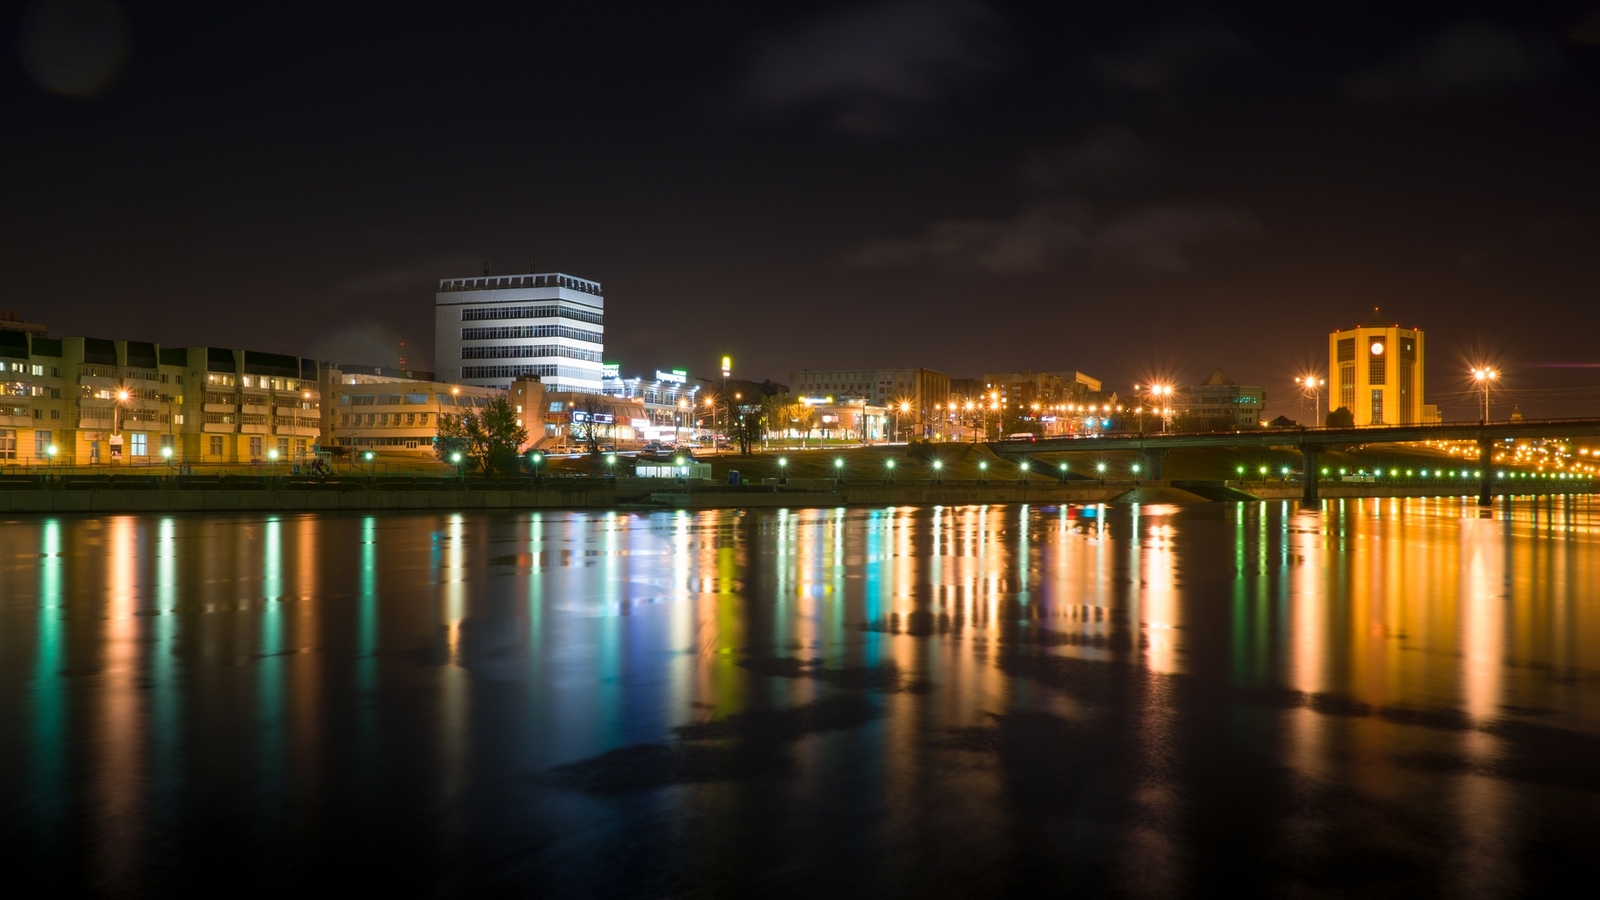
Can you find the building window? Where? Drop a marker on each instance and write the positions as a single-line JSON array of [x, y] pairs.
[[216, 445], [41, 445], [8, 444], [1376, 367], [166, 442], [55, 413], [283, 447], [140, 444], [255, 448], [1406, 372], [1377, 407]]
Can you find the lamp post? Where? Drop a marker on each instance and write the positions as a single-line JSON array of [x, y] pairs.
[[1313, 384], [1022, 468], [983, 471], [888, 471], [1063, 473], [1485, 376], [838, 471], [536, 459], [783, 470], [1101, 468], [938, 471]]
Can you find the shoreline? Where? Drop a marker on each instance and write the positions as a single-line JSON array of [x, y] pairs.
[[632, 495]]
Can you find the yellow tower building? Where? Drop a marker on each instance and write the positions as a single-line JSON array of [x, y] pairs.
[[1375, 370]]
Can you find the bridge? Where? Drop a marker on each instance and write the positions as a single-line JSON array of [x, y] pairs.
[[1311, 442]]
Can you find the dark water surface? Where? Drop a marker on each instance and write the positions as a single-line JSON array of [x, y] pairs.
[[1390, 696]]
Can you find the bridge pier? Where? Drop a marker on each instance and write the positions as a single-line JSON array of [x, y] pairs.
[[1486, 460], [1152, 463], [1308, 477]]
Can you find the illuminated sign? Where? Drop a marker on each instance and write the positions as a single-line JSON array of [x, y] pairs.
[[727, 366], [611, 370], [676, 376]]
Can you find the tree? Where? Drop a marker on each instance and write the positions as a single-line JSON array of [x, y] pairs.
[[492, 440], [450, 439], [1342, 418], [595, 406]]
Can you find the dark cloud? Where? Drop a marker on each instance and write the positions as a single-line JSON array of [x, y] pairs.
[[1587, 31], [1470, 57], [874, 69], [1158, 62], [1106, 154], [1159, 238], [74, 47]]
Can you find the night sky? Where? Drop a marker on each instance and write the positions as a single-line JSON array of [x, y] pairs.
[[1134, 190]]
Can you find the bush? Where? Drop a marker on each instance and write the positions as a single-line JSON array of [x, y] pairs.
[[1341, 418]]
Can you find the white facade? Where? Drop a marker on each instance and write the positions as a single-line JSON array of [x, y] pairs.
[[494, 329]]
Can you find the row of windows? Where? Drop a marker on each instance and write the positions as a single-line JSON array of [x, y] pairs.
[[383, 420], [410, 443], [500, 332], [504, 282], [529, 351], [215, 445], [409, 400], [29, 369], [539, 371], [551, 311]]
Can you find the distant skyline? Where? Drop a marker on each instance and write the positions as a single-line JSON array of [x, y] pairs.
[[1138, 191]]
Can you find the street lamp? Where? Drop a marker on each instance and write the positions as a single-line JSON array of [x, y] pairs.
[[536, 459], [1313, 384], [938, 470], [888, 477], [1101, 468], [783, 470], [838, 471], [1023, 468], [1485, 376], [1063, 473]]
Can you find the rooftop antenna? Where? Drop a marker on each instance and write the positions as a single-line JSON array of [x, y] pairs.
[[486, 267], [533, 266], [402, 354]]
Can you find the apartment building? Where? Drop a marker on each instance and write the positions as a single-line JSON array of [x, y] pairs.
[[94, 401]]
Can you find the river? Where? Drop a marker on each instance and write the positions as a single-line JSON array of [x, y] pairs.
[[1388, 695]]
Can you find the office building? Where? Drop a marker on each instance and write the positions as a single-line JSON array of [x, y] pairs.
[[913, 389], [92, 401], [493, 330], [391, 412], [1218, 404], [1375, 370]]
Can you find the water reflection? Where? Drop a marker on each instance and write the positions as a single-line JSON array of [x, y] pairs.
[[1378, 694]]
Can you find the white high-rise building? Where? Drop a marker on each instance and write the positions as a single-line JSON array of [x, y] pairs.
[[492, 330]]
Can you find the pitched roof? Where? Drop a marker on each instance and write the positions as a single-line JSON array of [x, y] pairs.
[[1376, 320], [1219, 377]]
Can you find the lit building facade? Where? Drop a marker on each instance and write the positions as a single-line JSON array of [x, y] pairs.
[[919, 388], [1219, 403], [79, 401], [392, 412], [493, 330], [1376, 371]]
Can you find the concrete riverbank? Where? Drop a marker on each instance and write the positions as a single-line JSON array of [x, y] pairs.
[[635, 494]]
